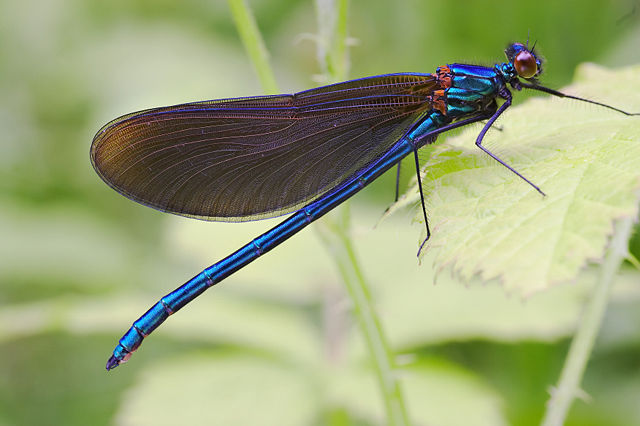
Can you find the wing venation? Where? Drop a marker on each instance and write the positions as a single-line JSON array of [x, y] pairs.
[[250, 158]]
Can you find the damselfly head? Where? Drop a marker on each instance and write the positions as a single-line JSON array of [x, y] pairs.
[[525, 61]]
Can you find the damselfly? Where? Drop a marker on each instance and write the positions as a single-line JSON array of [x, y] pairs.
[[251, 158]]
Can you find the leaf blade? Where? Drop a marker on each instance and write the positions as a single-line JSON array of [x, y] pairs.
[[488, 223]]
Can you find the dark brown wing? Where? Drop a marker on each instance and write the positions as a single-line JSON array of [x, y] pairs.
[[250, 158]]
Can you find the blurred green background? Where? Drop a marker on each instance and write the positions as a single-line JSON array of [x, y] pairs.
[[274, 344]]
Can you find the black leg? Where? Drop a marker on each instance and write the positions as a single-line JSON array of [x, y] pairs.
[[484, 130], [397, 182], [424, 210], [429, 138]]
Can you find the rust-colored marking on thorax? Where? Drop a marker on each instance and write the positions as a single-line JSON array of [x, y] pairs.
[[438, 98], [439, 101], [443, 76]]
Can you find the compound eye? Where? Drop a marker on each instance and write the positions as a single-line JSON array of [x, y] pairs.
[[525, 64]]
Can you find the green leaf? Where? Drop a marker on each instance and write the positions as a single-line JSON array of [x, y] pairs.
[[435, 391], [233, 389], [487, 222], [227, 387]]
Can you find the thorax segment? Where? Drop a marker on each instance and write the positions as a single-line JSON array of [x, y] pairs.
[[466, 90]]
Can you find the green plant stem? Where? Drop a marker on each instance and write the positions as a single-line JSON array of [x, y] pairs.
[[582, 344], [333, 59], [253, 43], [334, 63], [339, 57], [334, 235], [332, 53]]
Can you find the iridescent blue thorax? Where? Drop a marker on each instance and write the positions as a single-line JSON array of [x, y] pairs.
[[472, 89]]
